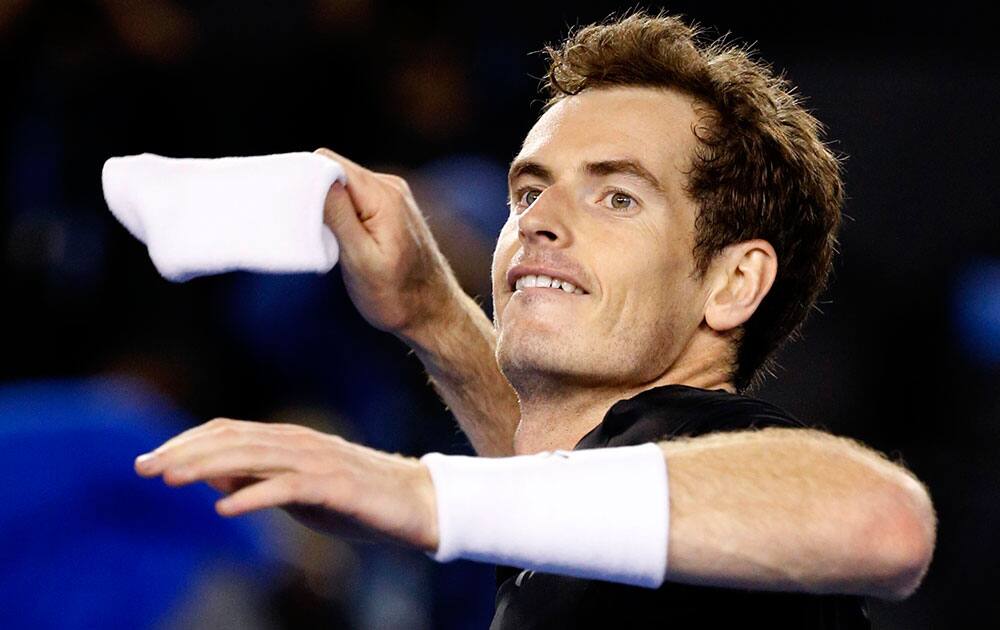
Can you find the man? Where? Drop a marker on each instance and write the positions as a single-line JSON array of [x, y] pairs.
[[673, 217]]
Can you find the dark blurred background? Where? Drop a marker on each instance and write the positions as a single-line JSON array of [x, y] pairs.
[[102, 358]]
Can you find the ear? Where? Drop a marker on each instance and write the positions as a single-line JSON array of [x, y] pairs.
[[741, 275]]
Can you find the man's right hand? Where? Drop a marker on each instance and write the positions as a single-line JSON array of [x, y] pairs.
[[394, 271]]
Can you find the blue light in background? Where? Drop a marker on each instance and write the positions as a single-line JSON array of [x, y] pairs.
[[474, 186], [976, 310], [84, 541]]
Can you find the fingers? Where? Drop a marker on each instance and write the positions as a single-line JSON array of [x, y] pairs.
[[258, 465], [350, 168], [229, 485], [223, 447], [321, 480], [277, 491], [211, 425], [220, 461], [360, 211], [342, 216], [347, 207], [359, 179]]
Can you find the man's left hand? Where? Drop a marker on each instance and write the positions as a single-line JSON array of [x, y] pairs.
[[322, 480]]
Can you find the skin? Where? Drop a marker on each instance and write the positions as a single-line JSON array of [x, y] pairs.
[[648, 318], [777, 509]]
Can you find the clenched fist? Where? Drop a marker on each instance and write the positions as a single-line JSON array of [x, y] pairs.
[[322, 480]]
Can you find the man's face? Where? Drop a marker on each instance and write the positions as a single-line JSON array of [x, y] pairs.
[[597, 199]]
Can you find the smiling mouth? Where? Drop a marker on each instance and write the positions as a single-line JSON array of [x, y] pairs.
[[546, 282]]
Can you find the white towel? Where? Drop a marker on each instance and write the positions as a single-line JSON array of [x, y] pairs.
[[208, 216]]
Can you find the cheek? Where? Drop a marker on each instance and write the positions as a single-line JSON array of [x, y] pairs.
[[651, 295], [502, 255]]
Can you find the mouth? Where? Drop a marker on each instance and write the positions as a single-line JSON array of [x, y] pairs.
[[544, 281], [537, 278]]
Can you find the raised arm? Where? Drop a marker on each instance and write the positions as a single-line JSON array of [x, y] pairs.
[[401, 283], [458, 353]]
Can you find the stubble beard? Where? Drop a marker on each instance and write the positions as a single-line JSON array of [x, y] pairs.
[[539, 367], [535, 366]]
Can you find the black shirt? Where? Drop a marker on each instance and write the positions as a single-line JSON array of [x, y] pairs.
[[527, 600]]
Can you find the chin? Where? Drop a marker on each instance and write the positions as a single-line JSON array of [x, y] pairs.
[[529, 353], [527, 359]]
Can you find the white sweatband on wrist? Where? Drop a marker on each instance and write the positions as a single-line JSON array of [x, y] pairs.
[[599, 513]]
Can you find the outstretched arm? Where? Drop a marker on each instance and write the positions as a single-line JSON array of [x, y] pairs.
[[401, 283], [793, 509], [778, 509]]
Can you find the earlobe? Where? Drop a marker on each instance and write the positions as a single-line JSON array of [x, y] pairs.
[[744, 273]]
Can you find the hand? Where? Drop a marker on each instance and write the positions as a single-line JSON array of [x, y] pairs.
[[395, 273], [322, 480]]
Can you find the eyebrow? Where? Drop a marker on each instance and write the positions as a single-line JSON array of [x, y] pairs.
[[598, 169], [526, 167], [625, 167]]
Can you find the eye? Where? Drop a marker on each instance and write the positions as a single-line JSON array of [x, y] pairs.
[[620, 200], [526, 197]]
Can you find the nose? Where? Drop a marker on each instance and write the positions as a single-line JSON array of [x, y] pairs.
[[544, 222]]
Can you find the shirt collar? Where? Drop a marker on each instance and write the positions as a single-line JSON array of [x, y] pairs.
[[665, 406]]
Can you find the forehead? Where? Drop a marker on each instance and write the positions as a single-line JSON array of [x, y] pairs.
[[652, 125]]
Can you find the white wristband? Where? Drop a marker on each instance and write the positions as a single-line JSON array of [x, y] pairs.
[[600, 513]]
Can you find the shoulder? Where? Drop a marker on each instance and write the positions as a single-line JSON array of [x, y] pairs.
[[681, 411], [719, 410]]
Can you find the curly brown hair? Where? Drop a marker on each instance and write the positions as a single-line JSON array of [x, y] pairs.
[[761, 169]]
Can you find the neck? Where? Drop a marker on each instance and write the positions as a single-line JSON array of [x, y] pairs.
[[556, 414], [551, 422]]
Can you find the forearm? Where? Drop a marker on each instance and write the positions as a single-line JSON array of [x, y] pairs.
[[786, 509], [458, 350], [401, 283]]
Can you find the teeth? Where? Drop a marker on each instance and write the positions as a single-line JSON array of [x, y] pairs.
[[543, 281]]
